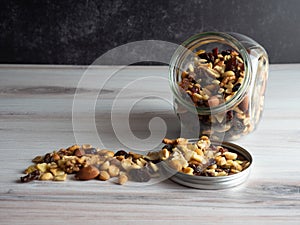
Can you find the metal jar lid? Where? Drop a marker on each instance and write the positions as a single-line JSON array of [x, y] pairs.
[[213, 183]]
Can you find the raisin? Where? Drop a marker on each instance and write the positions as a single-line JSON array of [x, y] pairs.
[[34, 175], [120, 153], [169, 147], [48, 158], [236, 87], [227, 52], [197, 169], [229, 116]]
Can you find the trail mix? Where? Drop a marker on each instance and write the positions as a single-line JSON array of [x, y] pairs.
[[214, 77], [86, 163], [211, 80], [89, 163], [202, 158]]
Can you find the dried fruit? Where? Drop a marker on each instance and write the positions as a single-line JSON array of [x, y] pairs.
[[34, 175]]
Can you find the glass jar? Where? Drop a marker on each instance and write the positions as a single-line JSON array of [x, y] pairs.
[[218, 82]]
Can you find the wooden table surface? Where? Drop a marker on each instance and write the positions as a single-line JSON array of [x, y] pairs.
[[36, 105]]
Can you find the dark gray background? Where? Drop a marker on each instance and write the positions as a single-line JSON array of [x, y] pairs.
[[77, 32]]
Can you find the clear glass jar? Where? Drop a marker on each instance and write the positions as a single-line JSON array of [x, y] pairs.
[[218, 82]]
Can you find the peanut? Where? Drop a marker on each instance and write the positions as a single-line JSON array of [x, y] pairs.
[[104, 175]]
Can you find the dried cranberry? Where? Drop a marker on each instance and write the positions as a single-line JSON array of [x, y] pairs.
[[215, 52], [231, 64]]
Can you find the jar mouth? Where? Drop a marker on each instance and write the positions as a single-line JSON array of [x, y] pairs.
[[186, 50]]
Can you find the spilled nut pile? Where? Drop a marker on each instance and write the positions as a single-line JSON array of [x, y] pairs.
[[200, 158], [89, 163]]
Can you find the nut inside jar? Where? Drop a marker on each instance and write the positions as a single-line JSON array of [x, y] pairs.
[[210, 82]]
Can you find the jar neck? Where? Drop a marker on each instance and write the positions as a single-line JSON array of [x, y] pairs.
[[187, 49]]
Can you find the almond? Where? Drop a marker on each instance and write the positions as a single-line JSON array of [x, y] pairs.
[[87, 173], [213, 101], [244, 105]]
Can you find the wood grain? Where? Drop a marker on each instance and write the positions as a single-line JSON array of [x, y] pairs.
[[36, 117]]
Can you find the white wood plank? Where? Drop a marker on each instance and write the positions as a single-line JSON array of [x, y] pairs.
[[36, 117]]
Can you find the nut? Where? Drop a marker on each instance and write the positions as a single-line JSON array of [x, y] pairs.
[[188, 170], [46, 176], [105, 165], [38, 159], [244, 105], [61, 177], [104, 175], [230, 155], [213, 101], [175, 164], [122, 179], [113, 170], [43, 167], [87, 173]]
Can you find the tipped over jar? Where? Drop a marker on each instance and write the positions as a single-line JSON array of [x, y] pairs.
[[218, 82]]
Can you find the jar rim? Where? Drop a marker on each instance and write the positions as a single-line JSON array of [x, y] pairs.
[[174, 68]]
